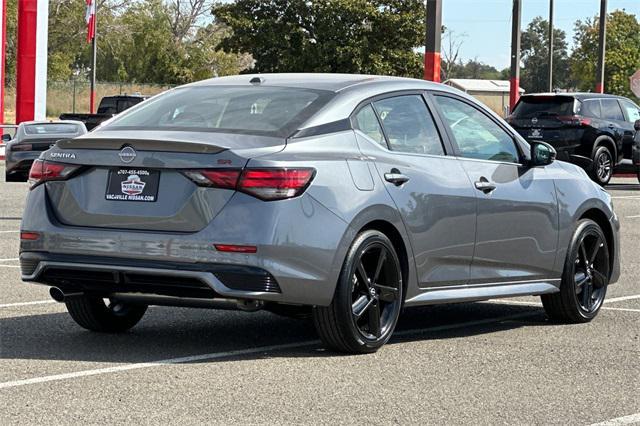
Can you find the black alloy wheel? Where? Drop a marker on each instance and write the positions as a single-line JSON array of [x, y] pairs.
[[368, 298], [585, 278], [375, 291]]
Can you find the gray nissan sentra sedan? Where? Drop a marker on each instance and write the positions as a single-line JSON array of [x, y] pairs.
[[340, 197]]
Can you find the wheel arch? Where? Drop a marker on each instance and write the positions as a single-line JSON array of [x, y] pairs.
[[600, 217], [608, 142], [388, 229]]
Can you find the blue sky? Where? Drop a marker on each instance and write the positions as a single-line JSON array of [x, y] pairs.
[[487, 23]]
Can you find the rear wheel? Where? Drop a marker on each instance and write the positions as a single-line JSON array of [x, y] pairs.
[[367, 302], [104, 315], [585, 277], [602, 168]]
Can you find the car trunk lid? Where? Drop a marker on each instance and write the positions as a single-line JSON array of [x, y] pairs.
[[137, 181]]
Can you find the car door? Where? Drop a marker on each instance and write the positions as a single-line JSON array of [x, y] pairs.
[[631, 114], [431, 190], [614, 120], [517, 212]]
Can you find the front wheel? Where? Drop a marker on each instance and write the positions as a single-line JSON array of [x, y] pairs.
[[104, 315], [368, 298], [585, 277]]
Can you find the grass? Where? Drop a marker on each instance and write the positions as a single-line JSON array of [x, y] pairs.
[[60, 96]]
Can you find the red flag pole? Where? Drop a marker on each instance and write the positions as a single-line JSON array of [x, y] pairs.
[[94, 47], [3, 60]]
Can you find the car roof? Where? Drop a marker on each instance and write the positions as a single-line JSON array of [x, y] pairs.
[[316, 81], [576, 95]]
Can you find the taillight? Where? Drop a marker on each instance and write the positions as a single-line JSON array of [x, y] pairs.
[[275, 184], [575, 120], [217, 178], [43, 171], [264, 183], [22, 147]]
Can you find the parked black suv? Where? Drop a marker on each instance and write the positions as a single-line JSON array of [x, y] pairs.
[[592, 130]]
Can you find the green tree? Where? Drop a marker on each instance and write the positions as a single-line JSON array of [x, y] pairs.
[[350, 36], [622, 57], [535, 57]]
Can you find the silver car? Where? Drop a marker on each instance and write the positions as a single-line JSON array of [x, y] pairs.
[[340, 197], [30, 139]]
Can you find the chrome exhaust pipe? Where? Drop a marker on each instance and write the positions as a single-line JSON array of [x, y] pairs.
[[60, 296]]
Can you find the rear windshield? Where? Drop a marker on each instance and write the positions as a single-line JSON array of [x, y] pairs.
[[274, 111], [540, 106], [114, 105], [50, 129]]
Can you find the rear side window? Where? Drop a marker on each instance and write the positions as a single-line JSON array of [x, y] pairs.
[[409, 126], [540, 106], [611, 109], [263, 110], [590, 108], [367, 122]]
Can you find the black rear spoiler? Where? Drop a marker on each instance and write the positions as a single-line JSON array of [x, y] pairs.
[[140, 145]]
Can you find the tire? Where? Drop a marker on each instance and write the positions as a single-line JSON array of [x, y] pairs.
[[94, 314], [602, 167], [349, 323], [585, 277]]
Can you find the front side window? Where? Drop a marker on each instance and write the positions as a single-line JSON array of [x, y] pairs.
[[611, 109], [475, 134], [409, 126], [273, 111], [633, 112], [367, 122]]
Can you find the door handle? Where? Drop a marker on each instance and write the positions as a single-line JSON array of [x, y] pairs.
[[484, 185], [395, 177]]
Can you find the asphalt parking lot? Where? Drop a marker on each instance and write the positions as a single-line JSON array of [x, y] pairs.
[[494, 362]]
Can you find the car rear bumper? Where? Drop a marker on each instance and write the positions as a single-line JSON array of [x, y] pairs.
[[615, 262], [302, 261]]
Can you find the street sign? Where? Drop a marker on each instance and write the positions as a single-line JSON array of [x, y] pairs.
[[634, 82]]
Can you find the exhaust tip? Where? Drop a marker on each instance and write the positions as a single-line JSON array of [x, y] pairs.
[[56, 294]]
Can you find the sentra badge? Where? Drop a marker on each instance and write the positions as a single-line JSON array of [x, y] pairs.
[[68, 155]]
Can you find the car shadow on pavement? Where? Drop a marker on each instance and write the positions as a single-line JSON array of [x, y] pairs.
[[167, 333]]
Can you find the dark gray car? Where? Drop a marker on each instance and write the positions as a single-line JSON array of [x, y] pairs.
[[343, 197], [33, 137]]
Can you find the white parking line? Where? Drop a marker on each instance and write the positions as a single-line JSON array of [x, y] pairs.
[[632, 217], [36, 302], [609, 308], [9, 260], [626, 420], [622, 298], [9, 266], [219, 355], [7, 232], [627, 197]]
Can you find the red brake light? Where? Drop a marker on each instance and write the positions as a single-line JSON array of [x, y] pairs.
[[232, 248], [42, 171], [266, 184], [275, 184], [29, 236]]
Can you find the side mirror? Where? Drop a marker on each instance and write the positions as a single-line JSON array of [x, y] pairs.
[[636, 125], [542, 154], [6, 137]]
